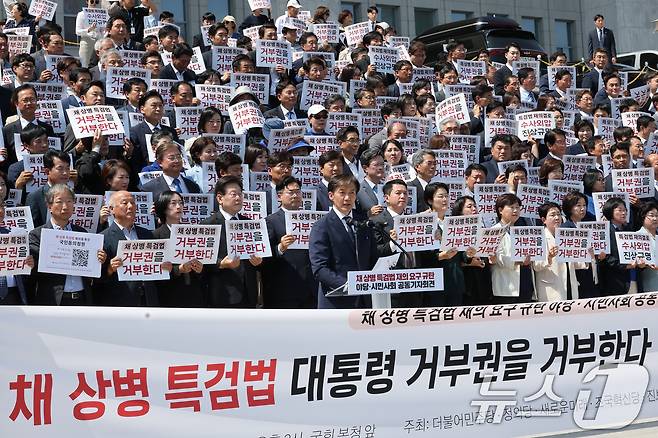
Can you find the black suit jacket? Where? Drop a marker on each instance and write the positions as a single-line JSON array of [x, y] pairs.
[[124, 293], [169, 73], [159, 185], [47, 286], [323, 202], [366, 198], [499, 79], [140, 155], [492, 170], [393, 90], [182, 289], [277, 112], [421, 205], [333, 255], [229, 287], [591, 81], [288, 281], [614, 277], [608, 43]]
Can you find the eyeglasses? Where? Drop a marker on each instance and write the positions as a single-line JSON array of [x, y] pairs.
[[352, 140], [283, 166], [26, 66], [321, 116], [177, 157]]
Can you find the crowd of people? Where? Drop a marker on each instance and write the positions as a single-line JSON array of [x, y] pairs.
[[353, 176]]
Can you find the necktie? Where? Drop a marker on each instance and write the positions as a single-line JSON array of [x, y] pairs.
[[3, 288], [601, 37], [177, 186], [350, 230], [289, 115]]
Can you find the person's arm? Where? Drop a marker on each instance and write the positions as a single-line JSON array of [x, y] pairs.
[[320, 254], [590, 46], [613, 47], [81, 28]]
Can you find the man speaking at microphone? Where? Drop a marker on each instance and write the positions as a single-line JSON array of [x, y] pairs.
[[341, 242]]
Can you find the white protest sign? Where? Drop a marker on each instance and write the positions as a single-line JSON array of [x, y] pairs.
[[504, 165], [516, 65], [639, 182], [600, 198], [34, 163], [187, 121], [299, 224], [251, 32], [14, 251], [197, 207], [321, 143], [245, 115], [218, 96], [18, 217], [51, 112], [395, 41], [86, 120], [605, 127], [451, 90], [254, 204], [146, 177], [228, 143], [450, 165], [259, 4], [327, 32], [395, 281], [307, 171], [282, 139], [259, 181], [95, 16], [532, 197], [488, 240], [599, 240], [469, 69], [144, 203], [13, 198], [209, 177], [206, 41], [314, 92], [640, 94], [354, 33], [453, 108], [534, 124], [49, 91], [486, 196], [245, 238], [117, 76], [629, 118], [383, 58], [560, 188], [163, 86], [18, 44], [132, 58], [651, 145], [272, 53], [493, 127], [222, 57], [575, 166], [43, 8], [86, 212], [572, 244], [70, 253], [142, 260], [460, 232], [635, 247], [371, 121], [339, 120], [259, 84], [416, 232], [527, 241], [194, 242], [309, 199]]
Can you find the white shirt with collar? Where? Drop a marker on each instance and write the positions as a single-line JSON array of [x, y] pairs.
[[353, 165], [130, 234], [341, 216], [73, 283], [423, 183], [527, 96], [285, 112], [552, 155], [153, 127], [24, 122], [170, 183], [227, 217]]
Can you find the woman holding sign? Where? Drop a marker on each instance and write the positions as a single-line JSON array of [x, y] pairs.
[[648, 214], [615, 278], [88, 33], [183, 289]]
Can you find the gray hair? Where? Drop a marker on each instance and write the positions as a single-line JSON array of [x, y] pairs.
[[99, 43], [418, 156], [55, 189], [389, 129], [443, 123], [109, 52]]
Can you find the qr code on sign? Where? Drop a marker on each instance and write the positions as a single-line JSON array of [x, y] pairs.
[[80, 258]]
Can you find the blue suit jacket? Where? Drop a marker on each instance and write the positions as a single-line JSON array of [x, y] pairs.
[[332, 256]]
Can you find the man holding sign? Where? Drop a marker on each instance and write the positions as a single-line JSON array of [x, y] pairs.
[[124, 293], [288, 281], [231, 281], [57, 289]]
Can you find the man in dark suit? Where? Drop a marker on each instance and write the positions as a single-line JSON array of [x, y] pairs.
[[557, 59], [133, 14], [57, 289], [611, 88], [151, 105], [35, 140], [77, 80], [348, 141], [180, 61], [372, 163], [288, 281], [338, 246], [57, 165], [602, 37], [424, 162], [231, 282], [133, 89], [124, 293], [331, 165], [482, 97], [208, 19], [279, 167], [403, 71], [286, 94], [593, 79], [501, 150], [53, 44], [218, 34], [512, 53], [170, 159], [13, 290], [527, 83], [25, 99]]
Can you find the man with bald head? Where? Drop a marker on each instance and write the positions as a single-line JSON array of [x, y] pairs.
[[124, 293], [396, 131]]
